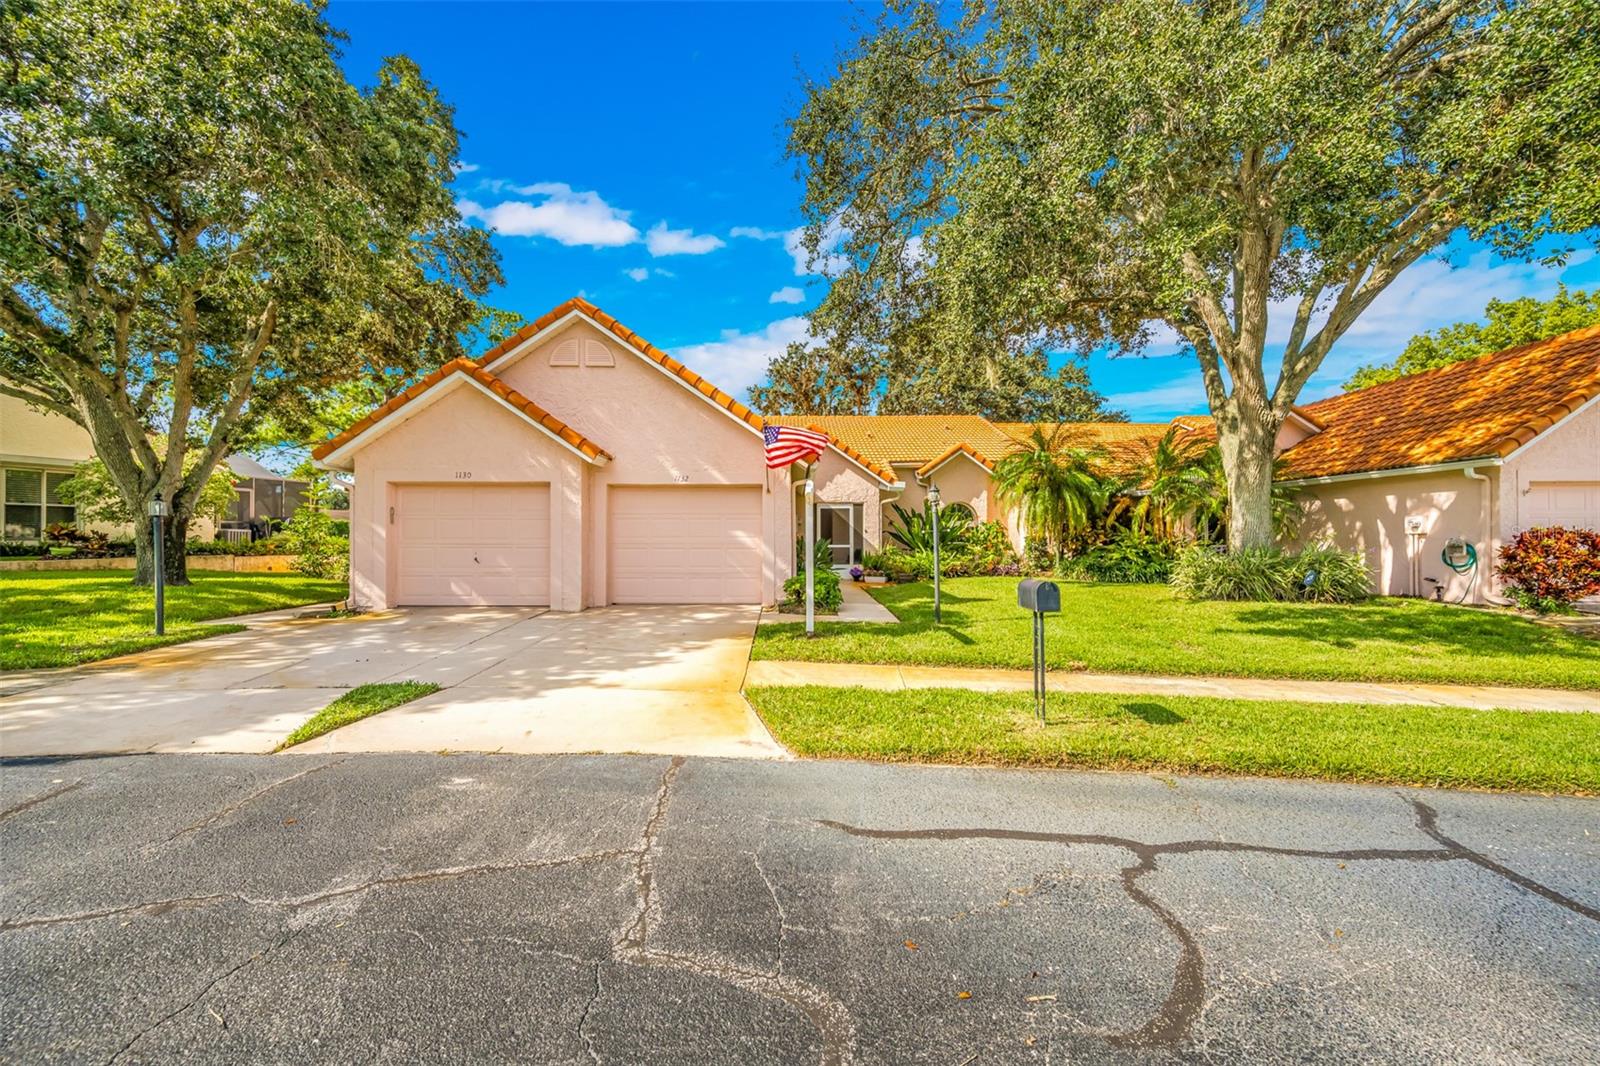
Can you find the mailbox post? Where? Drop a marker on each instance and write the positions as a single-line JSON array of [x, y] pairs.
[[1040, 597]]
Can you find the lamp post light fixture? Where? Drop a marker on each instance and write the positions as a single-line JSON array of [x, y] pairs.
[[933, 509], [158, 511]]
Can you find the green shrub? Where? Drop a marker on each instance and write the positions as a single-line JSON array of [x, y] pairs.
[[915, 530], [341, 528], [1129, 557], [1329, 575], [1322, 574], [908, 566], [987, 549], [826, 586]]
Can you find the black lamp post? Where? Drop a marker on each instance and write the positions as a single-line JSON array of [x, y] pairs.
[[158, 511], [933, 510]]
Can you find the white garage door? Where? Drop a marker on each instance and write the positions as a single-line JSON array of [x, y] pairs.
[[473, 544], [1574, 504], [675, 544]]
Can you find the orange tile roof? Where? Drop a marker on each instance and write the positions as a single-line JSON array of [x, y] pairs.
[[1480, 408], [890, 440], [959, 448], [882, 473], [471, 368], [632, 340]]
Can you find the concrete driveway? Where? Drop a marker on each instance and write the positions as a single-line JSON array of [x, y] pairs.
[[661, 680]]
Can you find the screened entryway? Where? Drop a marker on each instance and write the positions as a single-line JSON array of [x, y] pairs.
[[840, 525]]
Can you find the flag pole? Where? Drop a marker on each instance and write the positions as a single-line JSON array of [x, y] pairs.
[[811, 555]]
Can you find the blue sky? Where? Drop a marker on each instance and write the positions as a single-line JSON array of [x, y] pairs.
[[633, 153]]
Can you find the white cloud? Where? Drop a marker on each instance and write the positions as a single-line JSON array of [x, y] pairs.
[[563, 215], [638, 273], [787, 295], [756, 233], [464, 168], [828, 262], [1184, 393], [738, 360], [663, 241]]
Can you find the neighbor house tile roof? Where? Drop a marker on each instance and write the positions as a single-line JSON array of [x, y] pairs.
[[632, 340], [890, 440], [961, 448], [473, 370], [1480, 408]]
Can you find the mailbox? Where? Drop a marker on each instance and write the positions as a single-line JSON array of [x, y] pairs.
[[1039, 596]]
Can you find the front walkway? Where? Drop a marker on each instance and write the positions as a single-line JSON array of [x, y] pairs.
[[857, 606], [868, 675]]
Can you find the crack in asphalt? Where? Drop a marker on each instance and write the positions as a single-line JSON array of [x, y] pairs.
[[583, 1019], [777, 905], [232, 808], [1184, 1001], [43, 797], [825, 1012], [205, 990], [161, 906]]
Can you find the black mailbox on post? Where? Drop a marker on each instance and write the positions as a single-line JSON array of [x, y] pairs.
[[1039, 596]]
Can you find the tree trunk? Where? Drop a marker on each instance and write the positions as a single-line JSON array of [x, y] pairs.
[[1246, 443], [174, 558]]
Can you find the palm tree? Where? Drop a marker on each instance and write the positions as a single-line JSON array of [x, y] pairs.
[[1053, 486], [1184, 482], [1177, 485]]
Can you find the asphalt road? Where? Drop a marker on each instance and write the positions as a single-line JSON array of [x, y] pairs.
[[637, 909]]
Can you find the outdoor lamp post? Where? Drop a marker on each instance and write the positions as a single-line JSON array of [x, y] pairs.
[[158, 511], [933, 508]]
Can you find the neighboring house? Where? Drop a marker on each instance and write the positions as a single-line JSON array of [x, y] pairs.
[[576, 465], [1478, 450], [39, 449]]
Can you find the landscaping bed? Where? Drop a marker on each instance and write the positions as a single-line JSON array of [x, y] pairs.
[[68, 617], [1394, 744], [1147, 629]]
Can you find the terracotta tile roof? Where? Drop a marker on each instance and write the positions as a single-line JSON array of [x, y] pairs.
[[956, 449], [889, 440], [1093, 432], [882, 473], [1480, 408], [471, 368], [632, 340]]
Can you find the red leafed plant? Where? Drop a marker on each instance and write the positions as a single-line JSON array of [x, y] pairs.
[[1548, 567]]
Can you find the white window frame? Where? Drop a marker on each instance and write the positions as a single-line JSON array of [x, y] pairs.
[[857, 543], [44, 505]]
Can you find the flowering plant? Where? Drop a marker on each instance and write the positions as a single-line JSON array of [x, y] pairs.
[[1548, 567]]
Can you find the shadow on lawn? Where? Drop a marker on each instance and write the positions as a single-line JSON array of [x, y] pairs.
[[1460, 630], [1154, 713]]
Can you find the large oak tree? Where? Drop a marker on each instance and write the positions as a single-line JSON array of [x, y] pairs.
[[1252, 175], [206, 227]]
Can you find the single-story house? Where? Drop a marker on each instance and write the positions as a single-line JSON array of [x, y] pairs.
[[38, 450], [577, 465]]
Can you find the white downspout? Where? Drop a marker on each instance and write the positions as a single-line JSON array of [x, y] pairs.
[[1486, 561]]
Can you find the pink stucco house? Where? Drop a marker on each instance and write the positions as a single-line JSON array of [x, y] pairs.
[[576, 465]]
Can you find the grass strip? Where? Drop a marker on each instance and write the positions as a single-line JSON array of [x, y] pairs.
[[360, 702], [1406, 744]]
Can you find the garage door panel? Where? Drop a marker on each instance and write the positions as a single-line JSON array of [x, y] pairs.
[[685, 545], [473, 544]]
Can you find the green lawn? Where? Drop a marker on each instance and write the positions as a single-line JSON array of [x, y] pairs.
[[1416, 745], [62, 617], [1145, 629], [360, 702]]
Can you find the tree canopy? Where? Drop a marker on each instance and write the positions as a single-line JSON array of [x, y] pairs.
[[1507, 323], [1251, 176], [207, 227]]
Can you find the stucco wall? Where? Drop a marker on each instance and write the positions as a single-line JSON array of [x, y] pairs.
[[659, 432], [34, 438], [838, 480], [1568, 452], [465, 432], [1370, 514]]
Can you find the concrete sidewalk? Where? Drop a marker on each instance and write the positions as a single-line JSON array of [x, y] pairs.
[[869, 675], [857, 605]]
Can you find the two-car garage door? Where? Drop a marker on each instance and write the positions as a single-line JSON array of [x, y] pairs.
[[473, 544], [684, 544]]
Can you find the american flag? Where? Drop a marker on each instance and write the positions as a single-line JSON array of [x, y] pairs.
[[789, 444]]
